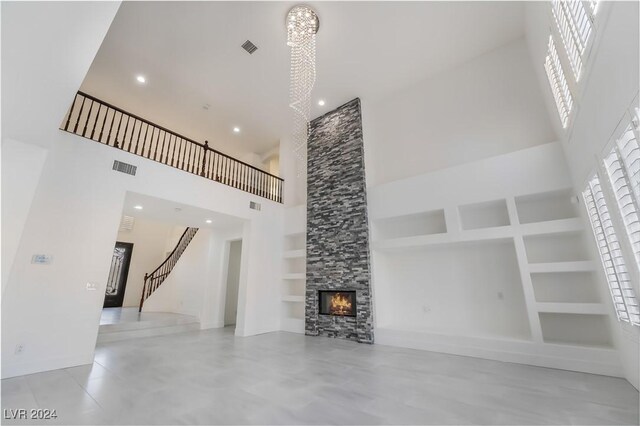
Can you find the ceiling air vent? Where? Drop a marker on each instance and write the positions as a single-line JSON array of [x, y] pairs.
[[249, 47], [121, 167], [253, 205], [126, 223]]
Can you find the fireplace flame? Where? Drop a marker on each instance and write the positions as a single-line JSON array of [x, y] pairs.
[[340, 305]]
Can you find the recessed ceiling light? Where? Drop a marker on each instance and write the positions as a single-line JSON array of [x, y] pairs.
[[138, 207], [141, 79], [321, 102], [208, 220], [236, 130]]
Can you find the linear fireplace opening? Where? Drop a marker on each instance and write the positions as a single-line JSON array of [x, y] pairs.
[[337, 302]]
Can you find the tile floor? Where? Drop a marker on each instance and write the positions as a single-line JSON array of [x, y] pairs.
[[213, 377]]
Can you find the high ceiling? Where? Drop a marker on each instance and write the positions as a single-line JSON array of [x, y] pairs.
[[191, 57]]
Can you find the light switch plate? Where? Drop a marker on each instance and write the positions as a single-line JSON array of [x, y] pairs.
[[41, 259]]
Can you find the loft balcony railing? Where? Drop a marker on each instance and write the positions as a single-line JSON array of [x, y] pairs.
[[99, 121]]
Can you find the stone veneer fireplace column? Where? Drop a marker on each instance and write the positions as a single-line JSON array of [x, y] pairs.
[[337, 225]]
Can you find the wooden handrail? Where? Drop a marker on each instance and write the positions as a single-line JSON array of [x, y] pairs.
[[153, 280], [108, 124]]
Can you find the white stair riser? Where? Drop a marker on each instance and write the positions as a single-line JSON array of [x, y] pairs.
[[114, 336]]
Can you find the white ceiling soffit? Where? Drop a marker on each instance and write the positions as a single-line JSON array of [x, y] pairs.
[[191, 56], [47, 48], [160, 210]]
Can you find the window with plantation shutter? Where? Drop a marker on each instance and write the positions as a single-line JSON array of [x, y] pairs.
[[623, 168], [618, 278], [574, 25], [558, 83]]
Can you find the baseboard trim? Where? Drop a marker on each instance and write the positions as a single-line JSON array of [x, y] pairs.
[[603, 361], [31, 367]]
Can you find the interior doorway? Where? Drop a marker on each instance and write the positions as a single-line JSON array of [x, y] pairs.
[[118, 273], [233, 282]]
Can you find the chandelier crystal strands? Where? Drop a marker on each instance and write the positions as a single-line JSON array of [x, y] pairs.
[[302, 25]]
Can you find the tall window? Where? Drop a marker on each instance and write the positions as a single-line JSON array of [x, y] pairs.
[[623, 168], [574, 25], [558, 83], [618, 279]]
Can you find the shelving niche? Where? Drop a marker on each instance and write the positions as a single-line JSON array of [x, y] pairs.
[[488, 214], [545, 229], [293, 281]]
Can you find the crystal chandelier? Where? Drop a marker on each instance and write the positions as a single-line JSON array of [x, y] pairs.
[[302, 26]]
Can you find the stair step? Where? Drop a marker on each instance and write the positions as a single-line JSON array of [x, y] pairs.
[[147, 328]]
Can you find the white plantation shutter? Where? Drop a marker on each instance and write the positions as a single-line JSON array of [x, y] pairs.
[[574, 25], [623, 168], [558, 83], [618, 279], [629, 151]]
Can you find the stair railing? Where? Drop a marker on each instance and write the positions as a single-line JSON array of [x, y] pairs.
[[99, 121], [153, 280]]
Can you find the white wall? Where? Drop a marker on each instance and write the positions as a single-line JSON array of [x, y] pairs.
[[468, 290], [488, 106], [75, 216], [47, 48], [233, 282], [149, 238], [21, 167], [606, 91]]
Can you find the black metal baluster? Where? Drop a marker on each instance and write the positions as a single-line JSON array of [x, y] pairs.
[[212, 165], [194, 152], [135, 150], [126, 130], [106, 113], [86, 123], [96, 121], [116, 144], [153, 130], [173, 155], [196, 158], [73, 104], [189, 144], [164, 139], [133, 132], [113, 118], [155, 151], [182, 148], [75, 128]]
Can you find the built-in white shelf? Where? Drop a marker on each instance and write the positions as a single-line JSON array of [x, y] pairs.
[[486, 234], [295, 254], [294, 299], [574, 224], [297, 276], [578, 266], [559, 226], [572, 308]]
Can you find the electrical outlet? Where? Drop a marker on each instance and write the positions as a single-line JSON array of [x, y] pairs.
[[426, 309], [19, 349], [92, 286]]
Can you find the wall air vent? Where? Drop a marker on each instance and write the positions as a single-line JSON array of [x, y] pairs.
[[126, 223], [121, 167], [253, 205], [249, 47]]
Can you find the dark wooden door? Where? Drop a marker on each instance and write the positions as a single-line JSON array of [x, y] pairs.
[[118, 273]]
